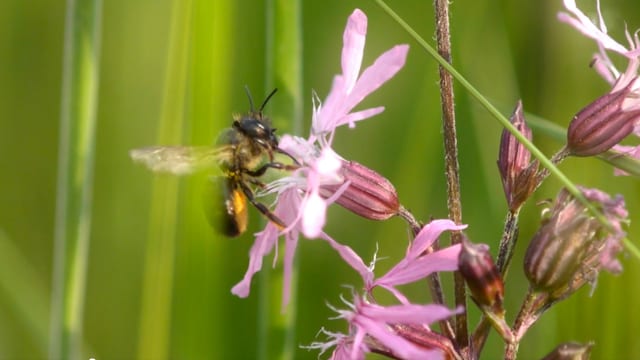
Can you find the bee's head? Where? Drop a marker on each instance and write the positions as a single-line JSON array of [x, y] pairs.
[[255, 126], [258, 130]]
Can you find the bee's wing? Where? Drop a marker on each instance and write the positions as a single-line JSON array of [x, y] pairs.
[[181, 160]]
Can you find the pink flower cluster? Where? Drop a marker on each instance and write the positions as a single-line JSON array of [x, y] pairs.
[[300, 205]]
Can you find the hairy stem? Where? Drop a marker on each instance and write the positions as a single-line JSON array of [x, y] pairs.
[[508, 242], [526, 310], [451, 157]]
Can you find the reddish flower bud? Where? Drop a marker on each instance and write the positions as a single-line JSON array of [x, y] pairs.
[[602, 124], [481, 274], [369, 194], [485, 282], [423, 337], [572, 246], [516, 170], [570, 351]]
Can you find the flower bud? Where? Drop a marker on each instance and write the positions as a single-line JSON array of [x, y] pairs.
[[572, 246], [516, 170], [423, 337], [602, 124], [481, 275], [368, 194], [485, 283], [570, 351]]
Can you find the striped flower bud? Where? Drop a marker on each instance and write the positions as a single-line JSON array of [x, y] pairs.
[[514, 162], [368, 194], [603, 123], [572, 246]]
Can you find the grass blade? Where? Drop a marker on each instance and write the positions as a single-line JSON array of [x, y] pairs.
[[284, 71], [155, 314], [25, 290], [75, 176]]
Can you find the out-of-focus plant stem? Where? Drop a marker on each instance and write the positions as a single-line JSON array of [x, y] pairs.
[[283, 70], [75, 176], [156, 302]]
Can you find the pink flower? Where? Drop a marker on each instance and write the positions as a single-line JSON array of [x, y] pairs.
[[372, 324], [416, 265], [369, 321], [342, 344], [299, 201], [614, 209], [321, 164], [605, 122]]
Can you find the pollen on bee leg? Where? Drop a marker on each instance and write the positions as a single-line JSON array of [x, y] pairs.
[[239, 202]]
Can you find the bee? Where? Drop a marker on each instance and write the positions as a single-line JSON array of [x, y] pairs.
[[244, 152]]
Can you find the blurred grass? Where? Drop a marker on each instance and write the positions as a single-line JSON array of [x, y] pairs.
[[283, 70], [508, 50], [200, 256], [157, 294], [24, 292], [74, 192]]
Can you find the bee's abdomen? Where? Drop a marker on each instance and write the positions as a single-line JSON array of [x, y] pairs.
[[228, 212]]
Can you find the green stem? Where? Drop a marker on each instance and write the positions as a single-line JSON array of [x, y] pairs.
[[156, 300], [283, 70], [75, 176], [199, 312]]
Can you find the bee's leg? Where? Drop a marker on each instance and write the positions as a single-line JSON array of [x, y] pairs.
[[257, 183], [262, 207], [273, 165], [278, 150]]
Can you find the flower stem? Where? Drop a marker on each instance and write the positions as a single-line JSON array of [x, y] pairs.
[[411, 220], [452, 170], [505, 253], [556, 159], [508, 242], [528, 314]]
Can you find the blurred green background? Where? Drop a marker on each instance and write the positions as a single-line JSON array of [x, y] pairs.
[[508, 49]]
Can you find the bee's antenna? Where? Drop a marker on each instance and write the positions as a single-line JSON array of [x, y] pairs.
[[246, 89], [267, 99]]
